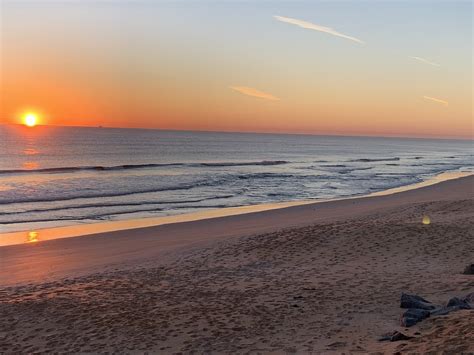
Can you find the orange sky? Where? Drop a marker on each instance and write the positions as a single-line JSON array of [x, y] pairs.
[[310, 68]]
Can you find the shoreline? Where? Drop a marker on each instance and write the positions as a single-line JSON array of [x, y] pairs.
[[128, 249], [319, 278], [81, 230]]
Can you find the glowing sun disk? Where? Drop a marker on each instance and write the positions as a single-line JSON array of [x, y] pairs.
[[30, 119]]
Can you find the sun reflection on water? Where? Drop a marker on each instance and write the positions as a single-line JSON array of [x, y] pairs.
[[30, 165], [30, 151], [32, 237], [30, 148]]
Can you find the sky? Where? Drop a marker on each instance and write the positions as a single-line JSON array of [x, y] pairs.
[[383, 68]]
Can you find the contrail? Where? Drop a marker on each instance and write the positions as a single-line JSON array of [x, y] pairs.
[[426, 61], [313, 26], [254, 92], [436, 100]]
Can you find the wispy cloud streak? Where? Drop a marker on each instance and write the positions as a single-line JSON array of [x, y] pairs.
[[313, 26], [254, 92], [436, 100], [426, 61]]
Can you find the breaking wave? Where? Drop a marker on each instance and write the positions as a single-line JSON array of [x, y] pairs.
[[73, 169]]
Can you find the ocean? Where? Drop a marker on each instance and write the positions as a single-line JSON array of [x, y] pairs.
[[56, 176]]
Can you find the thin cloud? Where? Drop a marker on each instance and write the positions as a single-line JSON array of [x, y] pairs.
[[254, 92], [312, 26], [446, 103], [426, 61]]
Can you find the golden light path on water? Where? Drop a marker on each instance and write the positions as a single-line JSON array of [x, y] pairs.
[[32, 237]]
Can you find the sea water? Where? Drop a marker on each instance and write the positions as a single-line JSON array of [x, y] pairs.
[[51, 176]]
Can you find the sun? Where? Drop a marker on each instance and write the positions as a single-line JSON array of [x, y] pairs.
[[30, 119]]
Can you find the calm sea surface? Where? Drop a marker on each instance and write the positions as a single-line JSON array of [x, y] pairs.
[[51, 176]]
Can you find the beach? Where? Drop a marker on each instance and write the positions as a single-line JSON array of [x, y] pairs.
[[236, 177], [320, 278]]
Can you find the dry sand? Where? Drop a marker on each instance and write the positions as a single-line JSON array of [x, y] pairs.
[[321, 278]]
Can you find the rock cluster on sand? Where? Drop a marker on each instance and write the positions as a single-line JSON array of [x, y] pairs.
[[418, 308]]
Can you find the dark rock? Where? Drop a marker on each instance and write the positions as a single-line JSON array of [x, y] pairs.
[[395, 336], [442, 311], [420, 309], [469, 298], [414, 301], [469, 270], [458, 303], [413, 316], [455, 304]]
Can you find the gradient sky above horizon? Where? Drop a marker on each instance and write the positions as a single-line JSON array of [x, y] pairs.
[[261, 66]]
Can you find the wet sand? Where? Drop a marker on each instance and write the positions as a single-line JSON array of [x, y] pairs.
[[322, 278]]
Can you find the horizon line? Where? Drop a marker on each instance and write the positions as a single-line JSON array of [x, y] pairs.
[[362, 135]]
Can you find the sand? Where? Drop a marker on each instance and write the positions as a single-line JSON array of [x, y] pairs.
[[321, 278]]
